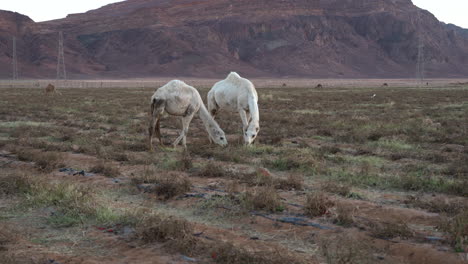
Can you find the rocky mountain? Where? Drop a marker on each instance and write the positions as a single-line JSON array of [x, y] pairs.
[[208, 38]]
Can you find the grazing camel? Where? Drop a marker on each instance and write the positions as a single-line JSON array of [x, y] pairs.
[[180, 99], [237, 94], [50, 89]]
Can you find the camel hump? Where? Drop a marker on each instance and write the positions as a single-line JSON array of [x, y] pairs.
[[50, 86], [233, 76]]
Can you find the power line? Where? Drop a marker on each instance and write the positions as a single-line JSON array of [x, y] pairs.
[[61, 70], [15, 61]]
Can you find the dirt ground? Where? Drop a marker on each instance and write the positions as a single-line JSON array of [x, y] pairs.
[[370, 174]]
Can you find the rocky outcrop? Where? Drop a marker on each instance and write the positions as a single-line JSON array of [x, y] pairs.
[[208, 38]]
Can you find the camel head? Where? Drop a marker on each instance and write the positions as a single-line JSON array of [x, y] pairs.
[[218, 136], [251, 133]]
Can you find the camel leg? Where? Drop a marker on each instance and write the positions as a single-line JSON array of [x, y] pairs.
[[157, 108], [183, 135], [245, 122], [213, 109]]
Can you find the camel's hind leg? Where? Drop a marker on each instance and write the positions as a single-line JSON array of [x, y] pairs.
[[185, 126], [157, 109]]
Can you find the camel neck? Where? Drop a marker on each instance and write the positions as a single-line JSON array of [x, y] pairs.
[[253, 107], [207, 119]]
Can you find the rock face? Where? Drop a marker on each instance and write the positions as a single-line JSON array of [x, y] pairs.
[[209, 38]]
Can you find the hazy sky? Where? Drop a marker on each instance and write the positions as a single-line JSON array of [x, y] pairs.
[[448, 11]]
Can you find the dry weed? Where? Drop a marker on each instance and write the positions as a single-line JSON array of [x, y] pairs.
[[106, 169], [344, 214], [264, 198], [337, 188], [317, 204], [389, 230]]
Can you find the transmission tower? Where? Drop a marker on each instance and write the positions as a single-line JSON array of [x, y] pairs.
[[61, 71], [15, 61], [421, 61]]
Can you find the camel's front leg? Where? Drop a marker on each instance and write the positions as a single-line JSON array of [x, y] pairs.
[[245, 122], [183, 135]]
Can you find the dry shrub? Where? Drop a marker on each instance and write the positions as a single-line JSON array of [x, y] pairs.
[[264, 198], [176, 233], [212, 170], [45, 161], [6, 237], [317, 204], [438, 205], [293, 182], [232, 188], [166, 185], [186, 161], [169, 186], [106, 169], [348, 247], [9, 239], [345, 214], [337, 188], [264, 178], [457, 228], [227, 253], [389, 230], [13, 182]]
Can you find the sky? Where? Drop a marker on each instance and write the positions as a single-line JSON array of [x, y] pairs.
[[448, 11]]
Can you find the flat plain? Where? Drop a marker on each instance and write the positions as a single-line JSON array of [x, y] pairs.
[[374, 174]]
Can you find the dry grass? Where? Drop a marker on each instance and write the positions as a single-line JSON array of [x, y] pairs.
[[227, 253], [349, 248], [457, 228], [264, 198], [8, 241], [345, 214], [212, 170], [14, 182], [165, 185], [317, 204], [439, 205], [338, 188], [44, 161], [107, 169], [389, 230]]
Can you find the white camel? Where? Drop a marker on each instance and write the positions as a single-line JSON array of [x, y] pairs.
[[180, 99], [237, 94]]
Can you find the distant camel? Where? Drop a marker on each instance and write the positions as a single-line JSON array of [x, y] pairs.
[[50, 89], [319, 86], [385, 85], [180, 99], [284, 85], [237, 94]]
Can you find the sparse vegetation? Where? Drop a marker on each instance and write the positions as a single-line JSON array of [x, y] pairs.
[[165, 185], [389, 230], [107, 169], [344, 214], [457, 228], [264, 198], [378, 150], [317, 204]]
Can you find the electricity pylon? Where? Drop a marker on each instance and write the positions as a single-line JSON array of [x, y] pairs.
[[61, 70], [420, 61], [15, 61]]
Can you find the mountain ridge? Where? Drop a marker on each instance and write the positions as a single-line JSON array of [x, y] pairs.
[[208, 38]]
